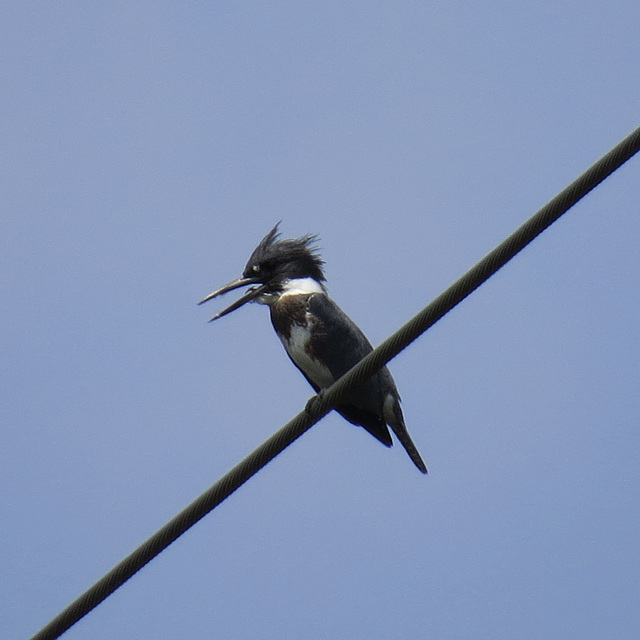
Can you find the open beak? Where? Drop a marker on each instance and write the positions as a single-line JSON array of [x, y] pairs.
[[249, 296]]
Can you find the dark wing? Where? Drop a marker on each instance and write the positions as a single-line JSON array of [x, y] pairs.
[[343, 345]]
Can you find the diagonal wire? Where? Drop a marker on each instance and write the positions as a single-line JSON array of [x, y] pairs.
[[329, 398]]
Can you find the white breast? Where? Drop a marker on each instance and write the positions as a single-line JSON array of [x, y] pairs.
[[313, 369]]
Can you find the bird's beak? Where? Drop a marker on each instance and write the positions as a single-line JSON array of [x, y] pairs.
[[249, 296]]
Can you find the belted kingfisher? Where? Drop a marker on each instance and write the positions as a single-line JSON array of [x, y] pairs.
[[321, 340]]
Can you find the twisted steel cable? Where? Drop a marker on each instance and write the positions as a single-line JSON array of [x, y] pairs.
[[320, 405]]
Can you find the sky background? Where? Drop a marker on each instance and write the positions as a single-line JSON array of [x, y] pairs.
[[148, 146]]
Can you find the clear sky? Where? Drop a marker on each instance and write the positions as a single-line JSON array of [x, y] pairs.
[[146, 149]]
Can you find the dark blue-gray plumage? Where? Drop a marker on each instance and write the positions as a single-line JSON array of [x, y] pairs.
[[321, 340]]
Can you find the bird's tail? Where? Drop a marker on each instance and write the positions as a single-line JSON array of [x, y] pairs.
[[395, 419]]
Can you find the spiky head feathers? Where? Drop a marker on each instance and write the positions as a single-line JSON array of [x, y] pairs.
[[275, 260]]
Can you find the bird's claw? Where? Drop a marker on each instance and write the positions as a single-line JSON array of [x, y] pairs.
[[312, 403]]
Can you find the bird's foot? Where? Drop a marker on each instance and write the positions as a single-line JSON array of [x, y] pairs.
[[313, 402]]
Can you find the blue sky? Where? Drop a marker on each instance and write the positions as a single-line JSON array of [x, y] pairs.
[[147, 147]]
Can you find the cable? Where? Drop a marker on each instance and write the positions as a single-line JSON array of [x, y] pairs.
[[321, 404]]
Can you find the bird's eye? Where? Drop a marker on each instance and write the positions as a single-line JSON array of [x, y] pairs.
[[255, 268]]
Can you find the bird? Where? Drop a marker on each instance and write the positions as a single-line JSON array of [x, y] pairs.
[[319, 338]]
